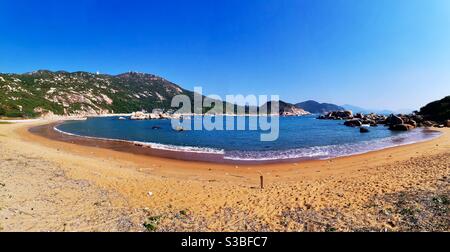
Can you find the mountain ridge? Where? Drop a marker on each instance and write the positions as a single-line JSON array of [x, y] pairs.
[[357, 109], [318, 108], [76, 93], [46, 93]]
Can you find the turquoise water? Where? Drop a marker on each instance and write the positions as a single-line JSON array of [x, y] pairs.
[[299, 138]]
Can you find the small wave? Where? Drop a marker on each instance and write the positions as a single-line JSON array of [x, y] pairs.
[[158, 146], [332, 151], [305, 153], [178, 148]]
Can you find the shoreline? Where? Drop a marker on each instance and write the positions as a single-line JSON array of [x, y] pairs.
[[141, 155], [347, 194], [195, 154]]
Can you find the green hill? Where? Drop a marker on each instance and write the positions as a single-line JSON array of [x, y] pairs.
[[318, 108], [438, 111], [64, 93]]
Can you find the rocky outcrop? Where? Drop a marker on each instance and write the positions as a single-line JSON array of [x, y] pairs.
[[353, 123], [394, 122], [401, 127], [337, 115], [437, 111]]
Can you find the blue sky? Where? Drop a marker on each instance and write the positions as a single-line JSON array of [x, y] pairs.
[[379, 54]]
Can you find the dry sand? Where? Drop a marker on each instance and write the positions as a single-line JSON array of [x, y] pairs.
[[47, 185]]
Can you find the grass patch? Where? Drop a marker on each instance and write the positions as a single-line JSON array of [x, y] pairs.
[[442, 199], [152, 223]]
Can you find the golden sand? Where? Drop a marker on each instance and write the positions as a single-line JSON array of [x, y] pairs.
[[47, 185]]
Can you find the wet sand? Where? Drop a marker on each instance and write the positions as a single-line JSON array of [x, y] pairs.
[[371, 191], [50, 131]]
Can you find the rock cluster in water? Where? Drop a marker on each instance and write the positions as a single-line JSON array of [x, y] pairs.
[[394, 122], [156, 114]]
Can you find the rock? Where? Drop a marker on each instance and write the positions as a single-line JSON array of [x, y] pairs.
[[359, 115], [345, 114], [369, 122], [156, 128], [364, 130], [394, 120], [401, 127], [353, 123], [417, 118], [138, 116], [412, 123], [338, 115], [428, 123], [447, 123]]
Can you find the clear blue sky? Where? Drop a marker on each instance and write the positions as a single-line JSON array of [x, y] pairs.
[[378, 54]]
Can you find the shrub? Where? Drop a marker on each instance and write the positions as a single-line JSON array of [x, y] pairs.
[[152, 223]]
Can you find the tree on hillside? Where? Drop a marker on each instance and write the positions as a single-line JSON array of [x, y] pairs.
[[437, 111]]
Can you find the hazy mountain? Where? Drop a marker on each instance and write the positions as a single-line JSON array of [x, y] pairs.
[[318, 108], [357, 109]]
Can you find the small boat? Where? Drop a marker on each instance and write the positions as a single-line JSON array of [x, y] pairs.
[[122, 118]]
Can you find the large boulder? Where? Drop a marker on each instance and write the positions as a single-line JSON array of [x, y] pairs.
[[447, 123], [428, 123], [401, 127], [364, 130], [353, 123], [411, 122], [381, 119], [359, 115], [347, 114], [394, 120], [369, 122], [337, 115]]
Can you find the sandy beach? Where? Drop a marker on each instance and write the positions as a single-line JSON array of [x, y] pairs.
[[48, 185]]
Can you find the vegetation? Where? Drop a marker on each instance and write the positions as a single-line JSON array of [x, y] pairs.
[[64, 93], [318, 108], [437, 111], [152, 223]]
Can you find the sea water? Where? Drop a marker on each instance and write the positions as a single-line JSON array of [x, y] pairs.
[[300, 138]]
